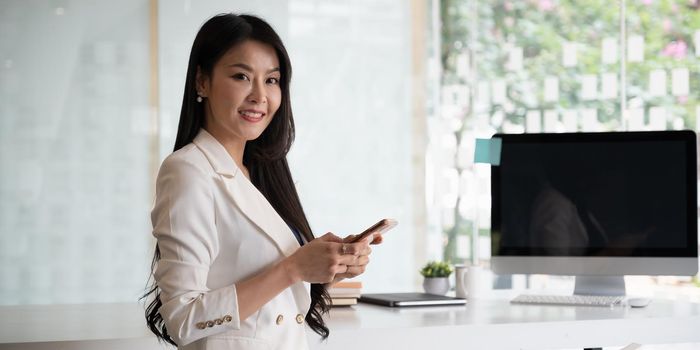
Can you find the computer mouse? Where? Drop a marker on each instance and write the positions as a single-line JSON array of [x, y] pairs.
[[638, 302]]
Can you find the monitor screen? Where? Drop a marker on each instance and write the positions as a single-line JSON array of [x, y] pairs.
[[621, 194]]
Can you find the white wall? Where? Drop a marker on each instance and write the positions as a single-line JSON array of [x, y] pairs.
[[75, 176], [351, 95], [74, 181]]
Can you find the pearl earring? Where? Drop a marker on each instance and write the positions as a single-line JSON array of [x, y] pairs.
[[199, 99]]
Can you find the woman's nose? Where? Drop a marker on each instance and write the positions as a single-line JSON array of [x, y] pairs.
[[257, 93]]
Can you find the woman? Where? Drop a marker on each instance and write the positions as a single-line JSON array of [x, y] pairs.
[[235, 254]]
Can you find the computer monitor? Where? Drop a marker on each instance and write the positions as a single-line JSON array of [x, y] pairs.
[[594, 205]]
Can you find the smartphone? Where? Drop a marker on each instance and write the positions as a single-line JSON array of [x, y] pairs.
[[382, 226]]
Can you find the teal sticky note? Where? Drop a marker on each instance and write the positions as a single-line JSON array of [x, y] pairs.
[[488, 151]]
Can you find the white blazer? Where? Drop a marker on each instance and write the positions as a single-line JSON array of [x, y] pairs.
[[214, 228]]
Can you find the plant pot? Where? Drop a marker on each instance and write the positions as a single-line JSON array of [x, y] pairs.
[[436, 285]]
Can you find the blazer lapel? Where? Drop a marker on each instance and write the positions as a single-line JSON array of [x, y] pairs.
[[246, 196], [254, 206]]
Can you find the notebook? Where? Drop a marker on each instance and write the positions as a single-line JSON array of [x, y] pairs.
[[410, 299]]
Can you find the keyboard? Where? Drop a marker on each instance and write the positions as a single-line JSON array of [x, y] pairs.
[[570, 300]]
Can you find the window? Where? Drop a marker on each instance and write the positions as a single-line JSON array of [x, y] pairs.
[[80, 84], [550, 66]]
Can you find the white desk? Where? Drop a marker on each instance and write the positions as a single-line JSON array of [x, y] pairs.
[[497, 324], [482, 324]]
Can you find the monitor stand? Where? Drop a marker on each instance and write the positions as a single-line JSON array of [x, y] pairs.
[[600, 285]]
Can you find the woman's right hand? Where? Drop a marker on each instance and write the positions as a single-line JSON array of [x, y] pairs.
[[321, 259]]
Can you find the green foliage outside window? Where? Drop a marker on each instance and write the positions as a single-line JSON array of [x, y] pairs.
[[542, 28]]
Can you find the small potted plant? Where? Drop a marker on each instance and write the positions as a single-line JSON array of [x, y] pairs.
[[436, 275]]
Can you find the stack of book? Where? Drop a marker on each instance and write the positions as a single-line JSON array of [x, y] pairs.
[[345, 293]]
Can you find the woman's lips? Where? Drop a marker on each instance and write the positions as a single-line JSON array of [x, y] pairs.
[[252, 116]]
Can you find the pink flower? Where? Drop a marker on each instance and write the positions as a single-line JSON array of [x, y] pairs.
[[682, 99], [667, 25], [681, 49], [508, 6], [545, 5], [676, 49], [647, 2]]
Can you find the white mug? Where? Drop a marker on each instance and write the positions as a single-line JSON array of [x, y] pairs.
[[468, 281]]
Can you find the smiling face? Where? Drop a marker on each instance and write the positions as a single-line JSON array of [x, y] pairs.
[[242, 94]]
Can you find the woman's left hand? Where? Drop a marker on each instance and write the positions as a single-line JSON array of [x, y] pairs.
[[360, 249]]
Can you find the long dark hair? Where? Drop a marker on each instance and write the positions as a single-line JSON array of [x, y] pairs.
[[265, 157]]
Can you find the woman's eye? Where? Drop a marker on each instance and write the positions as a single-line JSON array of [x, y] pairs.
[[239, 76], [273, 81]]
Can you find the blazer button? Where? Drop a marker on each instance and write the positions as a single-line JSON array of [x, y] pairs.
[[300, 319], [218, 321], [210, 324], [228, 318], [201, 325], [280, 318]]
